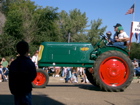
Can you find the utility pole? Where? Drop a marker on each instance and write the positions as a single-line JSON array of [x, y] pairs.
[[69, 37]]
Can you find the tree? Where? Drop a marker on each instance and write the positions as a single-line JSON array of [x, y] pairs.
[[34, 24], [21, 22], [7, 44], [47, 26], [95, 31], [72, 24], [2, 22], [135, 49]]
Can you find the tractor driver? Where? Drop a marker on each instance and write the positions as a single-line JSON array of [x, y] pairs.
[[122, 38]]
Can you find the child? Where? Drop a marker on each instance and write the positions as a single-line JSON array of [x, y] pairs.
[[122, 38]]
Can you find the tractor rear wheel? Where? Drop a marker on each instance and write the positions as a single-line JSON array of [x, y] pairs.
[[41, 79], [113, 71]]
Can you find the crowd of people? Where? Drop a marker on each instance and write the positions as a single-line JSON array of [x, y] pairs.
[[4, 66], [70, 74]]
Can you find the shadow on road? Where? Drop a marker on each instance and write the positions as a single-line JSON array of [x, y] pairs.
[[82, 86], [90, 87], [36, 100]]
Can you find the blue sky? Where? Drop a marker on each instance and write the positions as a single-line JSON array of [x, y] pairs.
[[110, 11]]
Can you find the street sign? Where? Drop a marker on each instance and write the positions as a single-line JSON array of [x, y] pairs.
[[136, 27]]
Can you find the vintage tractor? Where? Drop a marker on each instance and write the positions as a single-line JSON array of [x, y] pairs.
[[107, 67]]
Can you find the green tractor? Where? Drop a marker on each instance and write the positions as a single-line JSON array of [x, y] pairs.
[[107, 67]]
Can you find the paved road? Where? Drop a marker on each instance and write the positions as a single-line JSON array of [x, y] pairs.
[[59, 93]]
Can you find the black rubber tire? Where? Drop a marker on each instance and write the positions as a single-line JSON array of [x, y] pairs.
[[90, 78], [125, 60], [42, 81]]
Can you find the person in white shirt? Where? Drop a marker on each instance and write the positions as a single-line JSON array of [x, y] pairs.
[[35, 59], [135, 65], [122, 38]]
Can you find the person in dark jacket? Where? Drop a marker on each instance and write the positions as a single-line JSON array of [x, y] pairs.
[[22, 72]]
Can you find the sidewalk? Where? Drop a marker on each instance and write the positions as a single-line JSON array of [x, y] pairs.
[[61, 80], [136, 80]]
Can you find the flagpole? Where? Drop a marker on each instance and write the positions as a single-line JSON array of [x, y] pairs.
[[131, 33], [134, 11]]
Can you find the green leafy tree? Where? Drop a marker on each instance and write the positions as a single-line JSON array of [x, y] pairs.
[[95, 31], [73, 24], [25, 20], [21, 22], [7, 44], [135, 49], [47, 26]]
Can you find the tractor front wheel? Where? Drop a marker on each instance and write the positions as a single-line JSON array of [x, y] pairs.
[[41, 79]]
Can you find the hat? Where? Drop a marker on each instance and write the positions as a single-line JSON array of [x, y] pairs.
[[120, 28], [117, 25], [109, 33]]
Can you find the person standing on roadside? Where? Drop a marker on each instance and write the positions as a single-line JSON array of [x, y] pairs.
[[22, 72], [4, 63], [35, 59], [135, 65]]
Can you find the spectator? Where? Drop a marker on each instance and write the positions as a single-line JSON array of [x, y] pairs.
[[22, 72], [4, 63], [80, 69], [5, 74], [64, 71], [84, 77], [35, 59], [46, 69], [68, 76], [57, 71], [135, 65], [74, 76]]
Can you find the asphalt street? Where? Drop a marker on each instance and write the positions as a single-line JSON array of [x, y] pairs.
[[57, 92]]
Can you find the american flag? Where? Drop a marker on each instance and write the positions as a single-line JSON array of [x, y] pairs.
[[131, 10]]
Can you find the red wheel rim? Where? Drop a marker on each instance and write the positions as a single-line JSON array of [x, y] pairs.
[[40, 79], [114, 71]]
